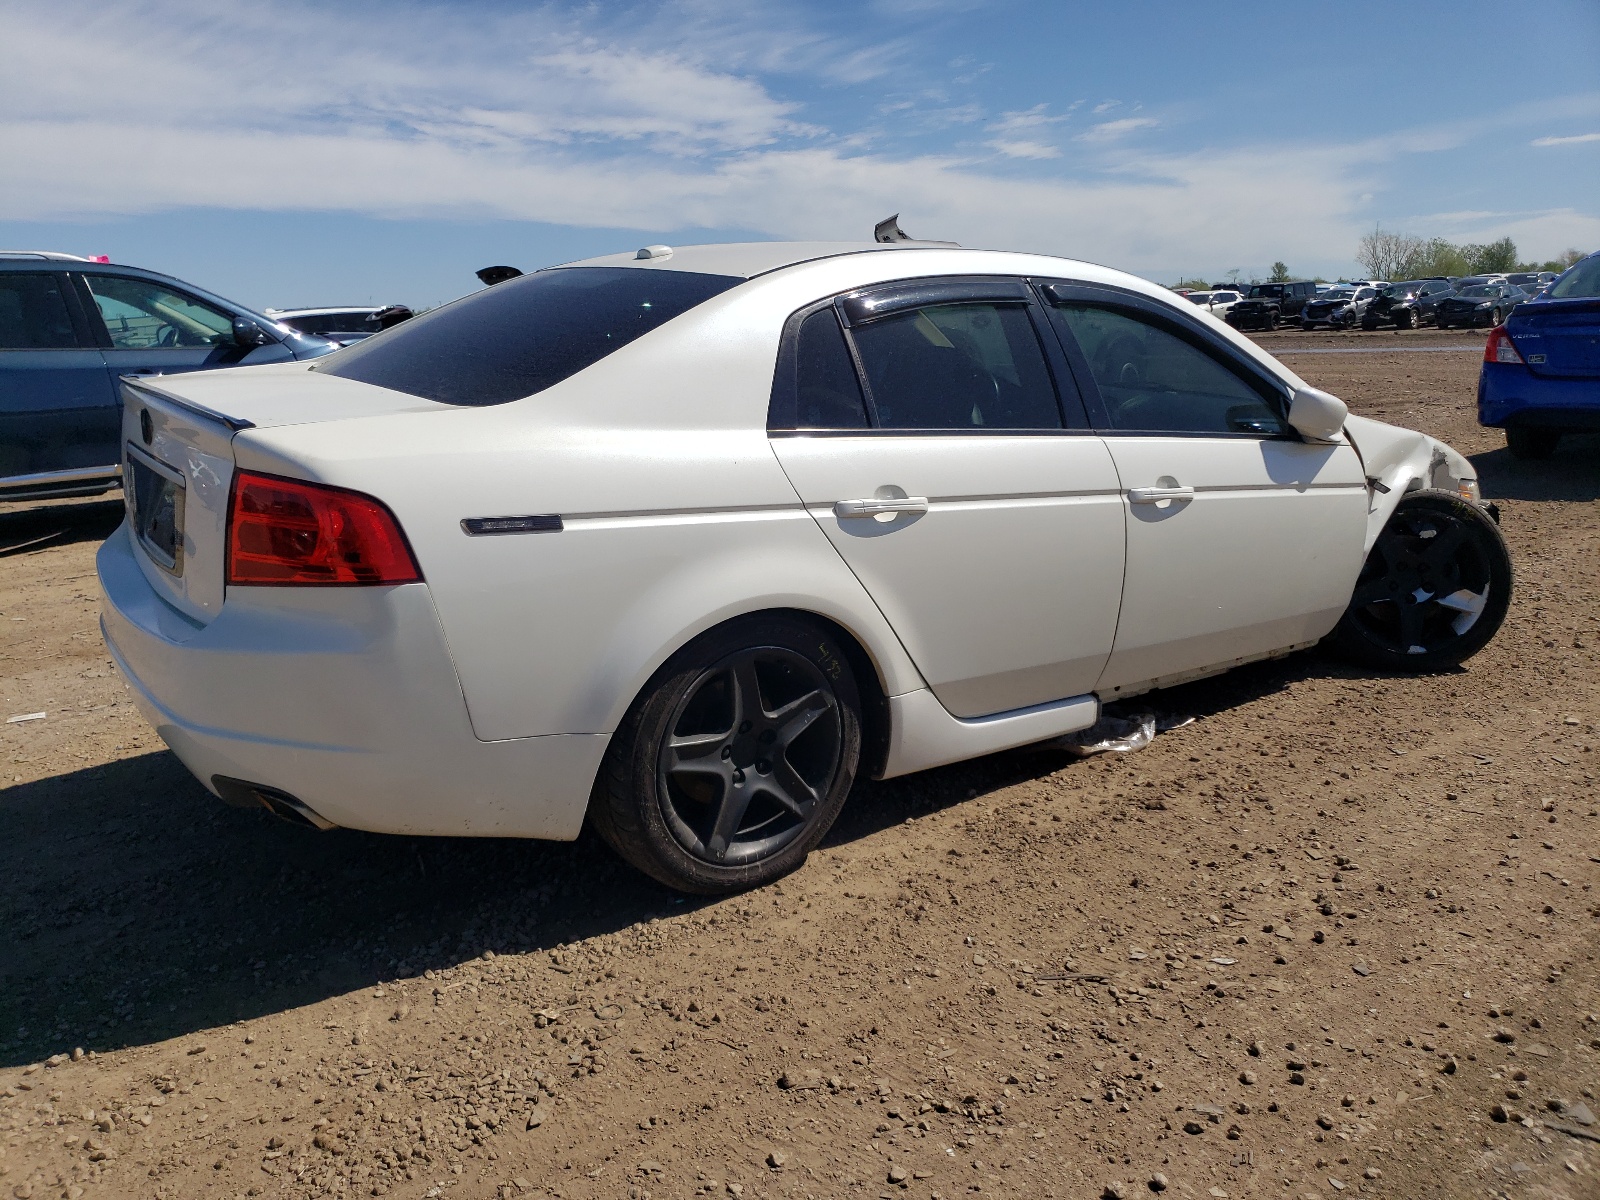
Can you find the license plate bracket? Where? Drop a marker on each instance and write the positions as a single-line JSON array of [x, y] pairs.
[[155, 495]]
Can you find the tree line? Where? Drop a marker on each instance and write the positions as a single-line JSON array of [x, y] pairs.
[[1388, 255], [1396, 256]]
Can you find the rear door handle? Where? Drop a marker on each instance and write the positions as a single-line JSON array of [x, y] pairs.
[[1154, 495], [874, 506]]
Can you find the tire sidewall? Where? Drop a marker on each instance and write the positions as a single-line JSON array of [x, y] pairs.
[[639, 740]]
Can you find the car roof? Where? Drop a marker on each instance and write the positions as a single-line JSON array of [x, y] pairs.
[[332, 310], [746, 260], [42, 256]]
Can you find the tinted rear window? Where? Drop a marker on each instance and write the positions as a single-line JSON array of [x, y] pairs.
[[33, 314], [522, 336]]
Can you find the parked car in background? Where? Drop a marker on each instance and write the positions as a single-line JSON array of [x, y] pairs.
[[1266, 305], [777, 517], [1217, 303], [1480, 304], [1407, 305], [1540, 377], [70, 327], [1337, 308], [342, 325], [1535, 281]]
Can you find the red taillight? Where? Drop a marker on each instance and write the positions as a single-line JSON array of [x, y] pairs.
[[1500, 348], [283, 531]]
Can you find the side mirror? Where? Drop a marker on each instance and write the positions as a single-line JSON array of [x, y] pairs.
[[1316, 415], [247, 333]]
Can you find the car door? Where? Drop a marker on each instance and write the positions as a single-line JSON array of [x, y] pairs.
[[921, 426], [58, 412], [152, 328], [1242, 538]]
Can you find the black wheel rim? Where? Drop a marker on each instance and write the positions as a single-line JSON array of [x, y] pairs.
[[750, 755], [1425, 584]]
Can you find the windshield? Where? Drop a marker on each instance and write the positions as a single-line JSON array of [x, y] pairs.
[[1483, 290], [522, 336], [1581, 280]]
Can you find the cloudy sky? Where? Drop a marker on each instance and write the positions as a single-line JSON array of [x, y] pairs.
[[297, 153]]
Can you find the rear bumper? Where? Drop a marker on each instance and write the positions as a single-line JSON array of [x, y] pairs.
[[345, 699], [1509, 394]]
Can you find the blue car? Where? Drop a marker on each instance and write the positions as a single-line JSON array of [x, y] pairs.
[[1541, 369], [70, 327]]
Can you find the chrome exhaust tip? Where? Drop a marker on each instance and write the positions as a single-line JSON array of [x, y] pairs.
[[241, 793]]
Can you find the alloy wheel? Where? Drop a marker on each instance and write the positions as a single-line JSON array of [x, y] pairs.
[[750, 753], [1425, 584]]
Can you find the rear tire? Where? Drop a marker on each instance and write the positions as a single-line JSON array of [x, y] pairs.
[[1408, 319], [736, 758], [1433, 591], [1532, 442]]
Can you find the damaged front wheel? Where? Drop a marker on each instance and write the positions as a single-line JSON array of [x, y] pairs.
[[1433, 591]]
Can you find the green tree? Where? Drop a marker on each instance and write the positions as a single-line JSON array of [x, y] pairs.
[[1493, 258], [1435, 257], [1194, 285], [1280, 273]]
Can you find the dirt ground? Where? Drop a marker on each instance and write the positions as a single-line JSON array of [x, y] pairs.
[[1339, 935]]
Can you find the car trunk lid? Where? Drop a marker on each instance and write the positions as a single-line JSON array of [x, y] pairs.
[[178, 462], [1559, 337]]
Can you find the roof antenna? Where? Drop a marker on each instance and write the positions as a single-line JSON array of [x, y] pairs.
[[494, 275], [888, 230]]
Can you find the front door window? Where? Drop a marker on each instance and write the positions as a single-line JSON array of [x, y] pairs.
[[1151, 379], [140, 314]]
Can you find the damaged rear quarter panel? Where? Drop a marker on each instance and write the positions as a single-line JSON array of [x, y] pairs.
[[1404, 460]]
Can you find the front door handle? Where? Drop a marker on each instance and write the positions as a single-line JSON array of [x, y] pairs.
[[1155, 495], [876, 506]]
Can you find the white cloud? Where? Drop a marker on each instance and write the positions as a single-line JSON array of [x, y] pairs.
[[1012, 132], [536, 115], [1110, 131], [1025, 149], [1105, 106], [1566, 141]]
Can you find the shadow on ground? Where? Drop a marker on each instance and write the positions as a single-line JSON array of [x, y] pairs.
[[135, 907], [1571, 474], [28, 527]]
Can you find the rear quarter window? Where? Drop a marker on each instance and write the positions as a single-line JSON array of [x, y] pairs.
[[520, 337]]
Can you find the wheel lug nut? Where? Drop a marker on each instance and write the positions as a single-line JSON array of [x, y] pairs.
[[763, 766], [727, 752], [744, 726], [738, 776]]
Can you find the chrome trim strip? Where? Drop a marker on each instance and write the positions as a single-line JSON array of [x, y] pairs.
[[60, 478]]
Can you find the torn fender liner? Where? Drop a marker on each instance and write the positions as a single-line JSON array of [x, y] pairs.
[[1119, 733]]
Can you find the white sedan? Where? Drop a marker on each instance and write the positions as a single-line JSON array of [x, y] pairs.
[[1216, 303], [684, 542]]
